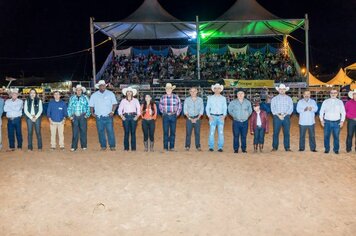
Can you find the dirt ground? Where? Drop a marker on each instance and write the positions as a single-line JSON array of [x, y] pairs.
[[181, 193]]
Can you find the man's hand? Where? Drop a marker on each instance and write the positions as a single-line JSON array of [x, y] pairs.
[[93, 114], [111, 114], [322, 123], [252, 133], [136, 118], [310, 109], [222, 118], [341, 124], [210, 119], [306, 109], [123, 118]]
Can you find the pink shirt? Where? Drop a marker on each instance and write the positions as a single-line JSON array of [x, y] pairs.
[[350, 108], [132, 106]]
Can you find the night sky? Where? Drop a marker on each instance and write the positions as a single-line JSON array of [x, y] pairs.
[[30, 29]]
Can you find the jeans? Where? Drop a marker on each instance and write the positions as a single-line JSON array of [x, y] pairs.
[[189, 128], [14, 126], [331, 127], [148, 129], [351, 133], [216, 122], [302, 131], [79, 129], [259, 136], [129, 130], [277, 125], [240, 129], [104, 124], [37, 126], [169, 130]]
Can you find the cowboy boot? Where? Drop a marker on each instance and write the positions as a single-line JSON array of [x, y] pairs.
[[146, 145], [261, 147], [151, 146]]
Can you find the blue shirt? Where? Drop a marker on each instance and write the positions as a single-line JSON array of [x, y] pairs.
[[306, 117], [193, 108], [2, 103], [102, 102], [240, 111], [216, 105], [282, 104], [78, 105], [57, 111]]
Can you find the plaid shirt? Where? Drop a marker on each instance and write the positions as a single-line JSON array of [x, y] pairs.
[[170, 104], [78, 105], [282, 104]]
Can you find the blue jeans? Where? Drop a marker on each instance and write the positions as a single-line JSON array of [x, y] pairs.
[[14, 126], [169, 130], [189, 128], [37, 126], [351, 133], [129, 130], [302, 131], [258, 136], [331, 127], [104, 125], [216, 122], [239, 130], [277, 125], [79, 129]]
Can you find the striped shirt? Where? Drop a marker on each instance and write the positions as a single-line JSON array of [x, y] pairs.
[[170, 104], [78, 105], [282, 104]]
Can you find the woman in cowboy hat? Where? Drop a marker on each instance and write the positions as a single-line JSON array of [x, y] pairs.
[[129, 111], [149, 115], [350, 108]]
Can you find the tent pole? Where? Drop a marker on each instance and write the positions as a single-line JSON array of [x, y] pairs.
[[306, 24], [198, 46], [114, 43], [93, 49]]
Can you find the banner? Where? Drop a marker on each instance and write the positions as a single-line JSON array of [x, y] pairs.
[[234, 83], [242, 50], [180, 51], [136, 86], [294, 84], [27, 90], [123, 52]]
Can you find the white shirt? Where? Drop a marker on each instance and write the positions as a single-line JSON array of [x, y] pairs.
[[31, 113], [332, 109], [259, 122], [13, 108]]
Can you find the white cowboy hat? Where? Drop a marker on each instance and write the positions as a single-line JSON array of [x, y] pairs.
[[169, 85], [79, 86], [282, 86], [101, 82], [217, 86], [13, 90], [128, 89], [351, 93]]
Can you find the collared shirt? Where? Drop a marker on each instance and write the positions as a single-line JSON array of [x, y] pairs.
[[30, 113], [170, 104], [127, 106], [332, 109], [78, 105], [13, 108], [306, 117], [350, 108], [282, 104], [240, 111], [258, 120], [193, 108], [216, 105], [102, 102], [57, 111], [2, 103]]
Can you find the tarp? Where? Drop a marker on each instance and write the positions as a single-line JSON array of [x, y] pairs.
[[313, 81], [340, 79], [350, 67]]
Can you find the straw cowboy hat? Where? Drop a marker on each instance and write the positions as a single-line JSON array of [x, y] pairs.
[[13, 90], [351, 93], [282, 86], [170, 86], [101, 82], [79, 86], [129, 89], [217, 86]]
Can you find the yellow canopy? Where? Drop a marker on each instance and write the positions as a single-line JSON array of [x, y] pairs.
[[350, 67], [340, 79], [313, 81]]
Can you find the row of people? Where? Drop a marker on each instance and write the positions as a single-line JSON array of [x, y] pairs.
[[102, 105]]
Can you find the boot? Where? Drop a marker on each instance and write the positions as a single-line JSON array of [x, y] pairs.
[[255, 148], [151, 146], [261, 147], [146, 145]]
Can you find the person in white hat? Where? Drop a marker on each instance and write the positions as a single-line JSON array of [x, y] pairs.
[[78, 113], [216, 110], [129, 111], [170, 106], [350, 108], [282, 109], [13, 108], [2, 103], [102, 105]]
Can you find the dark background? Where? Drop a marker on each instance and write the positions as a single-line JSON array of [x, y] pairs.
[[31, 29]]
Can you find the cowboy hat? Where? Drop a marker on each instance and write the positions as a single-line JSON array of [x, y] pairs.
[[217, 86], [13, 90], [129, 89], [101, 82], [351, 93], [79, 86], [170, 86], [282, 86]]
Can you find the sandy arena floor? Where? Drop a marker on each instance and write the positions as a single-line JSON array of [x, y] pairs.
[[180, 193]]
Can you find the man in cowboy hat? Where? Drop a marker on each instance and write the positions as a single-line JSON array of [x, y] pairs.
[[102, 105], [78, 113], [332, 116], [170, 106], [350, 108], [13, 108], [216, 109], [129, 111], [2, 103], [282, 108]]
